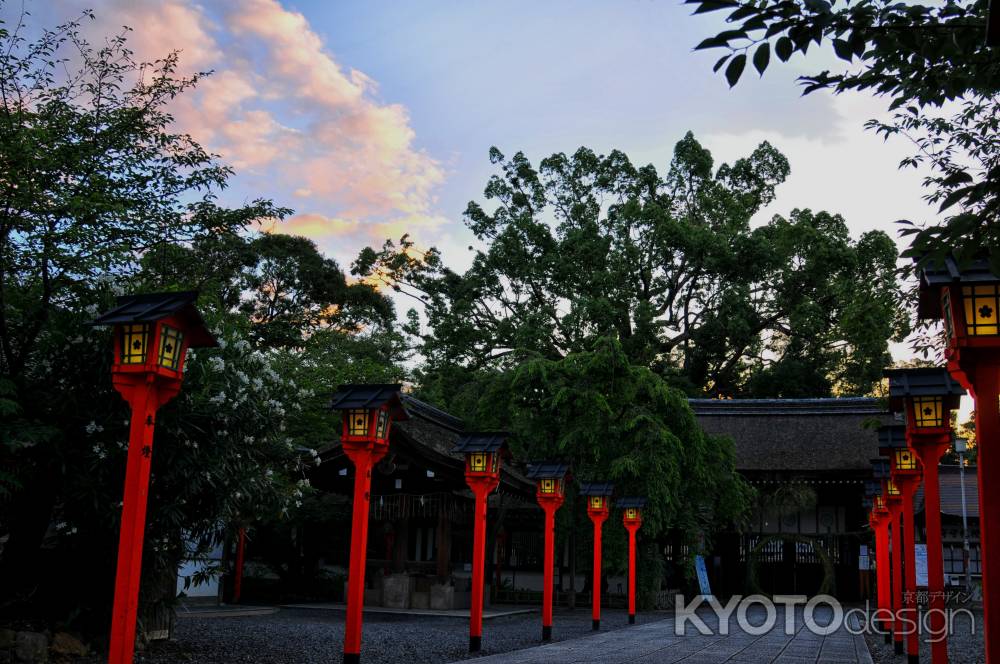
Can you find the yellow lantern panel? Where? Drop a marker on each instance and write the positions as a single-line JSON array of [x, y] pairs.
[[382, 424], [928, 411], [597, 502], [134, 340], [547, 485], [949, 323], [171, 343], [482, 462], [357, 422], [905, 459], [892, 488], [982, 308], [879, 503], [631, 514]]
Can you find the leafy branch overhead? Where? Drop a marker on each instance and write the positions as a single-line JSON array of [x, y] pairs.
[[934, 68]]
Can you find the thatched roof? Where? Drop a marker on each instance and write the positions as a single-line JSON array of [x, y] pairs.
[[806, 435]]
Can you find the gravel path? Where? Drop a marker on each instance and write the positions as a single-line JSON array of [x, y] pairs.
[[303, 636], [964, 645]]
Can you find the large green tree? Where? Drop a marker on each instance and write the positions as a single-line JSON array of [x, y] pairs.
[[587, 246], [931, 64], [99, 195]]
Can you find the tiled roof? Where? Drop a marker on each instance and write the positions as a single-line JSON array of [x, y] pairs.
[[949, 479], [631, 501]]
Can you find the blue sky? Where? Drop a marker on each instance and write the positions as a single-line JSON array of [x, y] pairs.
[[374, 118]]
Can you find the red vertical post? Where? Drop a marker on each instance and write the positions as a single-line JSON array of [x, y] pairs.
[[895, 512], [550, 561], [986, 391], [363, 458], [631, 571], [911, 614], [241, 543], [883, 570], [595, 613], [481, 491], [930, 453], [144, 403]]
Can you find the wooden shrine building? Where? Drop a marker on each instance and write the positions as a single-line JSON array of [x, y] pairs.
[[807, 459]]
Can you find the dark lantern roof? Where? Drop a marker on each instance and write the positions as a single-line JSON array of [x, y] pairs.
[[880, 468], [922, 382], [371, 396], [484, 441], [597, 488], [631, 501], [149, 307], [891, 437], [542, 470], [936, 275]]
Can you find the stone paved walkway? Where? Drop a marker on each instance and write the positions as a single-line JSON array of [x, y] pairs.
[[656, 643]]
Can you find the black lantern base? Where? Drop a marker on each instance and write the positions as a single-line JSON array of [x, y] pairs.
[[546, 632], [596, 625], [898, 647], [631, 619], [913, 659], [888, 638], [352, 658], [475, 643]]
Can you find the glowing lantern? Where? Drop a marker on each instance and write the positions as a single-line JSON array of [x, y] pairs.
[[482, 473], [166, 324], [965, 294], [366, 414], [550, 477], [926, 395], [902, 460], [597, 509], [632, 518]]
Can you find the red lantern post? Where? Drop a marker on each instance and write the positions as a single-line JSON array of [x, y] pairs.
[[928, 395], [894, 504], [241, 544], [905, 470], [632, 518], [597, 494], [367, 413], [880, 521], [551, 480], [482, 473], [152, 334], [967, 298]]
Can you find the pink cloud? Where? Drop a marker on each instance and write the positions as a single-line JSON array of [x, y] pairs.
[[280, 106]]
